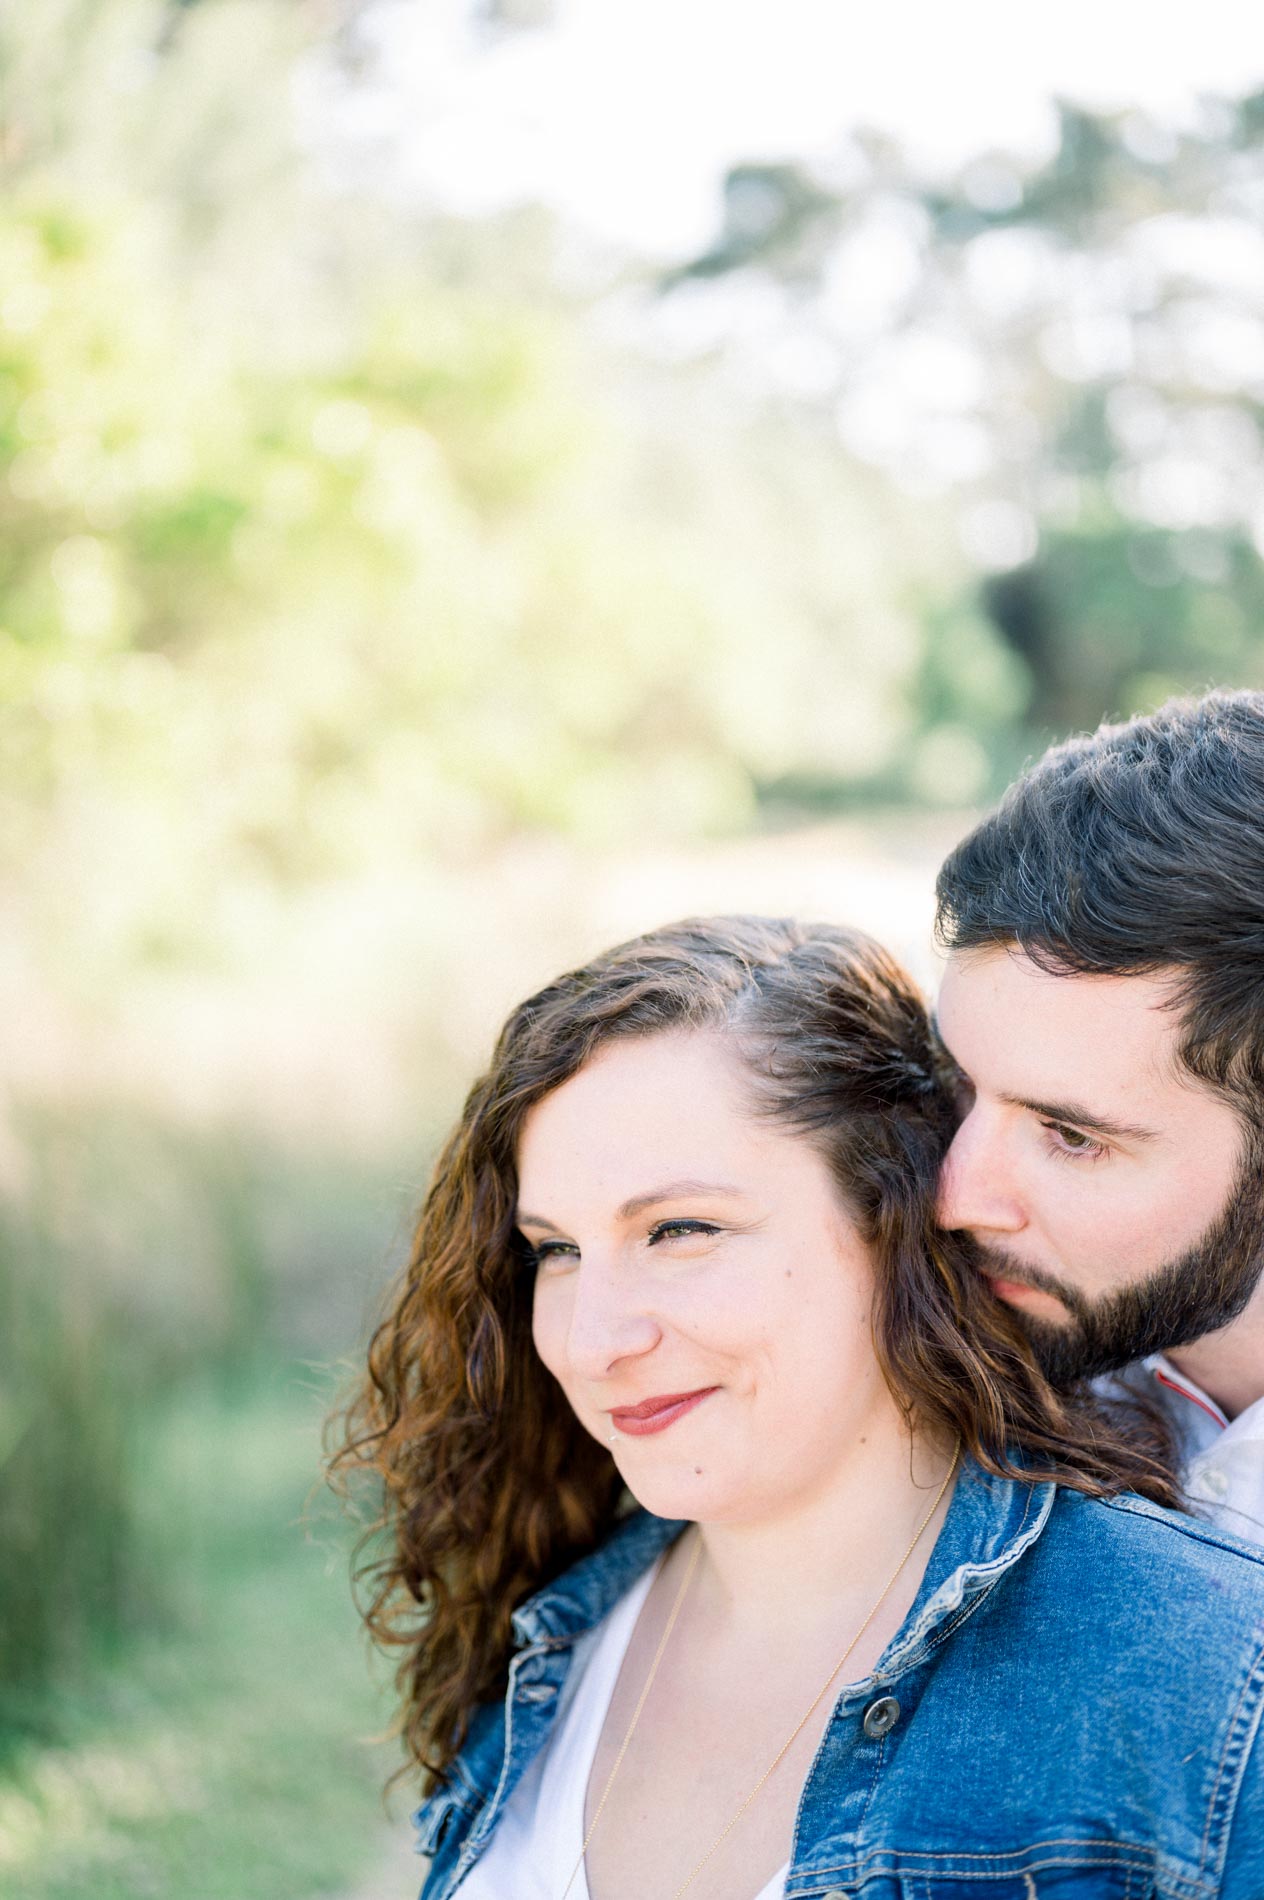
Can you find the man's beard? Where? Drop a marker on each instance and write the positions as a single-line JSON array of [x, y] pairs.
[[1183, 1300]]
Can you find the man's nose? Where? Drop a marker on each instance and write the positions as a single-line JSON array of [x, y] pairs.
[[976, 1191], [610, 1320]]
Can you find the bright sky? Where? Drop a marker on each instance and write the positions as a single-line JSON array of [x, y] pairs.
[[625, 113]]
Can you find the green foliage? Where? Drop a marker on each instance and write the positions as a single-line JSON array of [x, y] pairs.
[[317, 561], [224, 1753], [1083, 342], [71, 1579], [139, 1262], [393, 608], [1126, 614]]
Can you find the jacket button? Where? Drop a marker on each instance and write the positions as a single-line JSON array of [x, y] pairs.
[[880, 1718], [835, 1893]]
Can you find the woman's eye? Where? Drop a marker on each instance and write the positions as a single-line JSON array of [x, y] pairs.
[[545, 1250], [674, 1229], [1073, 1141]]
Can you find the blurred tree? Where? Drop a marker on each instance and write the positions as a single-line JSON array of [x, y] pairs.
[[315, 560], [1076, 353]]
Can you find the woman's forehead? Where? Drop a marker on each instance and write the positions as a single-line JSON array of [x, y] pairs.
[[653, 1109]]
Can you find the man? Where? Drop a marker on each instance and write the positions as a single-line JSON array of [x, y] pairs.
[[1104, 1002]]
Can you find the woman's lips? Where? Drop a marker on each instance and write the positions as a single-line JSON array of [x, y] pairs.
[[1007, 1289], [1018, 1293], [655, 1415]]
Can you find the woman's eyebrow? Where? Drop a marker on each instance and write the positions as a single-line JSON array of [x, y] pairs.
[[536, 1220], [673, 1191], [670, 1191]]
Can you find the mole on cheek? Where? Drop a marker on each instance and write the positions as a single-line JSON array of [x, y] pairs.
[[697, 1471]]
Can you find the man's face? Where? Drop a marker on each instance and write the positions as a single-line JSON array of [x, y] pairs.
[[1103, 1184]]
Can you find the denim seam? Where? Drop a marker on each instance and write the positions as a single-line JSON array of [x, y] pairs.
[[1126, 1855], [1198, 1530], [482, 1826], [1236, 1747], [879, 1758], [855, 1871], [940, 1634], [820, 1750]]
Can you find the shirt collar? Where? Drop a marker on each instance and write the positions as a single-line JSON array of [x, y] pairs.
[[1248, 1424], [1173, 1380]]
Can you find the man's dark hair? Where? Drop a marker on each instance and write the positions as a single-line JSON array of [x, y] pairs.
[[1137, 849]]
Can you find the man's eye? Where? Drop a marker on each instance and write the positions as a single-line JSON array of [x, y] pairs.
[[1073, 1141]]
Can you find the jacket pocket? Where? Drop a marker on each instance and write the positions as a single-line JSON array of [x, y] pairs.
[[1081, 1882]]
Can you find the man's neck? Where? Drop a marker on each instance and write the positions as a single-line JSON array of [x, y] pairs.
[[1229, 1364]]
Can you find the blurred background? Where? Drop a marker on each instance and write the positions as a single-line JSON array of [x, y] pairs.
[[476, 480]]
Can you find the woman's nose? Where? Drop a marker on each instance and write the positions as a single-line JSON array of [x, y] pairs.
[[976, 1194], [609, 1320]]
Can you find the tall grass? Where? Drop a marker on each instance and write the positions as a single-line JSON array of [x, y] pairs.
[[71, 1576], [138, 1262], [225, 1753]]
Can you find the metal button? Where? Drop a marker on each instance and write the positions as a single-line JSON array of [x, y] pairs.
[[835, 1893], [881, 1717]]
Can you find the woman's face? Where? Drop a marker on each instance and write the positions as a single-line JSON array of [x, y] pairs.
[[691, 1250]]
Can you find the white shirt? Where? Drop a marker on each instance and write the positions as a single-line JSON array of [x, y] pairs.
[[539, 1836], [1222, 1458]]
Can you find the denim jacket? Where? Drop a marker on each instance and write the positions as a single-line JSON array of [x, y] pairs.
[[1071, 1710]]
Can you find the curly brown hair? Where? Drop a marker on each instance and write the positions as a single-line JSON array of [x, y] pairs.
[[489, 1486]]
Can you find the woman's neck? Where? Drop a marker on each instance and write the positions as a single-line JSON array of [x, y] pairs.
[[836, 1546]]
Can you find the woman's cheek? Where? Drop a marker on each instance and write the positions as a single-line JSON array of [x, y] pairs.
[[548, 1327]]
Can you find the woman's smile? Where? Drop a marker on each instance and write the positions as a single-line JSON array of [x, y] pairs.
[[655, 1415], [762, 1290]]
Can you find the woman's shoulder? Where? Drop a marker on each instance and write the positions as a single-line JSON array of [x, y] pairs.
[[1154, 1560], [1157, 1528]]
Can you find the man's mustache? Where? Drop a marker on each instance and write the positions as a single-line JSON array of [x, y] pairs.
[[1000, 1266]]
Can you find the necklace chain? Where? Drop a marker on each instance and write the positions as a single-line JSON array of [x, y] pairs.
[[799, 1726]]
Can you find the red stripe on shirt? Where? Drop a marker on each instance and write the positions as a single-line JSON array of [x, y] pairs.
[[1193, 1399]]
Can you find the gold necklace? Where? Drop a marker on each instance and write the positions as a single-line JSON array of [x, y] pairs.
[[795, 1732]]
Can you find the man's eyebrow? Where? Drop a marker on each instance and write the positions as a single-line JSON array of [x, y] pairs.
[[1075, 1115], [670, 1191]]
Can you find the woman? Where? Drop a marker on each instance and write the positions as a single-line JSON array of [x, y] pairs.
[[885, 1623]]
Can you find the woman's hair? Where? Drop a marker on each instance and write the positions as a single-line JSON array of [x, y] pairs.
[[489, 1484]]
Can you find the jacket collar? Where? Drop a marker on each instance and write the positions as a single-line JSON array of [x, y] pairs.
[[578, 1599], [991, 1521]]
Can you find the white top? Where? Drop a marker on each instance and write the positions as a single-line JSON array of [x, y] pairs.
[[1223, 1458], [540, 1833]]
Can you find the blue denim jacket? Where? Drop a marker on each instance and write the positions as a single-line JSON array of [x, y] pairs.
[[1070, 1711]]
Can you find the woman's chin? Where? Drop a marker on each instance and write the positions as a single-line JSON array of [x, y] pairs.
[[694, 1493]]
